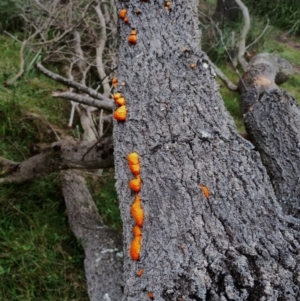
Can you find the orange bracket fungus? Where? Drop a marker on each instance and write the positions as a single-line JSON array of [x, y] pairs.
[[126, 20], [205, 191], [140, 273], [150, 295], [135, 169], [132, 38], [134, 165], [192, 66], [135, 248], [137, 231], [133, 158], [121, 101], [137, 211], [135, 184], [167, 5], [114, 81], [122, 13], [117, 95], [120, 113]]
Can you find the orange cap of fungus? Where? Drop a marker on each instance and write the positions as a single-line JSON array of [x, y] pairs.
[[137, 211], [133, 32], [137, 231], [150, 295], [135, 169], [114, 81], [135, 184], [122, 13], [140, 273], [132, 39], [120, 113], [133, 158], [126, 20], [117, 95], [192, 66], [135, 248], [205, 191], [120, 101]]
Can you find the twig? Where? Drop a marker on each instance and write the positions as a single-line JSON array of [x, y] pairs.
[[71, 83], [84, 99], [260, 36]]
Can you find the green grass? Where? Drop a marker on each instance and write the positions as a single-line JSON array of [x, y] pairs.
[[40, 259]]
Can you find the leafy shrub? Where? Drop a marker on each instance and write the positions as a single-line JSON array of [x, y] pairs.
[[283, 13]]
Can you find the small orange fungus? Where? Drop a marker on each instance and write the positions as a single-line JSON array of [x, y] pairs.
[[135, 169], [120, 113], [114, 81], [117, 95], [140, 273], [137, 211], [121, 101], [137, 231], [150, 295], [192, 66], [205, 191], [133, 32], [135, 184], [126, 20], [167, 5], [133, 158], [132, 39], [135, 248], [122, 13]]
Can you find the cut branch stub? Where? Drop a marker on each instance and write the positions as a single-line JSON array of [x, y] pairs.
[[194, 247]]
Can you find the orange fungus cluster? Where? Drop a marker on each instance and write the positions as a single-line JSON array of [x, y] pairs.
[[120, 113], [136, 208]]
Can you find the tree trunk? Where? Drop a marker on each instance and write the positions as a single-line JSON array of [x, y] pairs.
[[102, 245], [272, 119], [213, 229]]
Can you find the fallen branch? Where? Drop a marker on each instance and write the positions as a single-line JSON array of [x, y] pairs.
[[59, 156]]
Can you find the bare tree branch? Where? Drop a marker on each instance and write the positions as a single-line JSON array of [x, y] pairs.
[[244, 32], [71, 83], [84, 99], [229, 84]]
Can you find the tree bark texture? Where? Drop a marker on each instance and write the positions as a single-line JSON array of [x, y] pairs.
[[213, 229], [102, 245], [272, 119], [59, 156]]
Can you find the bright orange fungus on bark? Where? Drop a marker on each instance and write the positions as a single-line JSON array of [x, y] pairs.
[[140, 273], [133, 158], [121, 101], [205, 191], [122, 13], [137, 211], [135, 248], [135, 184], [137, 231], [117, 95], [114, 81], [120, 113]]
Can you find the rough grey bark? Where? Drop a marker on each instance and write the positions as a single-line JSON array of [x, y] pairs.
[[102, 245], [59, 156], [272, 119], [232, 245]]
